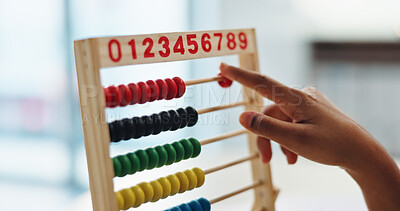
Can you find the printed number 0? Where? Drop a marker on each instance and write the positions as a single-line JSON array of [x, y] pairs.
[[110, 51]]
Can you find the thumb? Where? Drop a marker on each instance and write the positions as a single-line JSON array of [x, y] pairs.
[[285, 133]]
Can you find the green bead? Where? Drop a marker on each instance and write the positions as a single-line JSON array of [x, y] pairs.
[[162, 155], [196, 147], [188, 148], [171, 154], [180, 151], [153, 158], [135, 162], [117, 167], [144, 159], [126, 164]]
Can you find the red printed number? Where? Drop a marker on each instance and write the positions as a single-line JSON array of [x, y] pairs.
[[231, 41], [110, 51], [133, 47], [165, 45], [205, 42], [147, 52], [243, 40], [178, 47], [220, 39], [190, 42]]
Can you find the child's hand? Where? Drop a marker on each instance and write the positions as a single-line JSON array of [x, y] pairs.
[[306, 123]]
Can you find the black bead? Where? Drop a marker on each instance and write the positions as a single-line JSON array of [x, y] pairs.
[[112, 132], [176, 120], [139, 129], [157, 123], [128, 128], [148, 125], [183, 114], [165, 121], [119, 129], [192, 116]]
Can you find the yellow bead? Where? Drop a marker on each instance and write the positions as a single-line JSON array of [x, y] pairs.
[[139, 194], [129, 198], [166, 186], [148, 191], [192, 179], [175, 184], [201, 177], [183, 181], [158, 191], [120, 200]]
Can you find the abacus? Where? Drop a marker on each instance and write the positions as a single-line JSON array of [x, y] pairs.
[[93, 54]]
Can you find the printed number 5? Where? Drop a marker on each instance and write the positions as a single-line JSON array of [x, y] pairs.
[[193, 43]]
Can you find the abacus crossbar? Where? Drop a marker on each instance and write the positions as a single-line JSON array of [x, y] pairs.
[[226, 165], [234, 193], [223, 136], [202, 80], [220, 107]]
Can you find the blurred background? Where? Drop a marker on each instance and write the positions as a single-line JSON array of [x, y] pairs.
[[350, 50]]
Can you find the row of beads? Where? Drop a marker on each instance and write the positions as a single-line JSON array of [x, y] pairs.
[[200, 204], [156, 157], [142, 92], [160, 189], [137, 127]]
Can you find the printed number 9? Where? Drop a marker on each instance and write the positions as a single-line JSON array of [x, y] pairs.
[[243, 40]]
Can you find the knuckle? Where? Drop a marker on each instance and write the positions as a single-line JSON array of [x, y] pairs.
[[298, 114], [260, 124]]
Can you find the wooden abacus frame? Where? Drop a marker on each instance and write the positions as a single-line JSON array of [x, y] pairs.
[[93, 54]]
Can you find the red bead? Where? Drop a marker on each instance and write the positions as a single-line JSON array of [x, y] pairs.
[[108, 97], [155, 91], [181, 86], [163, 86], [126, 95], [116, 96], [224, 82], [172, 87], [136, 93], [146, 92]]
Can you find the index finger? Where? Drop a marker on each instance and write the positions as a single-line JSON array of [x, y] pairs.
[[264, 85]]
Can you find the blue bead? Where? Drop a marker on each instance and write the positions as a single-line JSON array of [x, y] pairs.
[[185, 207], [195, 205], [174, 209], [205, 204]]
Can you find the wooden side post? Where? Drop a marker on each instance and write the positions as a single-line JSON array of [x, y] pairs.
[[95, 128], [264, 195]]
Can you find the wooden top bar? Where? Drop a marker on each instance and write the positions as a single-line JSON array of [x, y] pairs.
[[164, 47]]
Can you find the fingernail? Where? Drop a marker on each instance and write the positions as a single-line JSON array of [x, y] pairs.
[[264, 160], [223, 65], [246, 118], [290, 162]]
